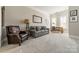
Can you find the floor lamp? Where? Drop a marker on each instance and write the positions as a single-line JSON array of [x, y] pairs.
[[26, 21]]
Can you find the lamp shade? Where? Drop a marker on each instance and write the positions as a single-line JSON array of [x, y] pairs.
[[26, 21]]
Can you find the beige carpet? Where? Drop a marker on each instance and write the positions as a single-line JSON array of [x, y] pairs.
[[50, 43]]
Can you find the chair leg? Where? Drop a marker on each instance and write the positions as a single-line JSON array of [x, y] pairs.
[[19, 44], [27, 38]]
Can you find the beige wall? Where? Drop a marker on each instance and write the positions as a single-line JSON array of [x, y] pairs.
[[0, 26], [74, 27], [14, 15]]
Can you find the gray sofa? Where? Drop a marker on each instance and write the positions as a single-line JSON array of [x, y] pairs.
[[37, 31]]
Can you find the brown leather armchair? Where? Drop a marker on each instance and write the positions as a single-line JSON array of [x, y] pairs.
[[14, 35]]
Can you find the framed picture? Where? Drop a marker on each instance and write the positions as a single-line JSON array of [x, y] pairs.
[[37, 19], [73, 13], [73, 19]]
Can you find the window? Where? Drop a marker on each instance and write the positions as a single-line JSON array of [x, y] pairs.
[[53, 21], [63, 21]]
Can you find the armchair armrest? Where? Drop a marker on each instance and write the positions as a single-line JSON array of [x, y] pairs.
[[12, 34], [21, 32]]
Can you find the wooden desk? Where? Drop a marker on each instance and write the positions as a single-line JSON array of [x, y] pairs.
[[60, 29]]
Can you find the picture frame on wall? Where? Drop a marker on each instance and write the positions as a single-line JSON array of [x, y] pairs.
[[73, 13], [73, 16], [73, 19], [37, 19]]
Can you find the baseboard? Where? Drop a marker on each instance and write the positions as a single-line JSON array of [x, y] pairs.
[[74, 37]]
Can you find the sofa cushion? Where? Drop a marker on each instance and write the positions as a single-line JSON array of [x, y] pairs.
[[37, 31], [38, 28], [44, 27], [46, 30], [33, 28], [15, 29], [42, 30]]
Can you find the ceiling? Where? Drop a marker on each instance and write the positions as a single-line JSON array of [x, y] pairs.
[[51, 9]]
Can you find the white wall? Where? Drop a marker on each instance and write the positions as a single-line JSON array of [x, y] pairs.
[[0, 26], [15, 14], [74, 27], [58, 15]]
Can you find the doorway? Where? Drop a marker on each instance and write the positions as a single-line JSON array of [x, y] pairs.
[[60, 20]]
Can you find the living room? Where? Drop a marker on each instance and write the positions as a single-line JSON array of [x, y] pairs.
[[17, 16]]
